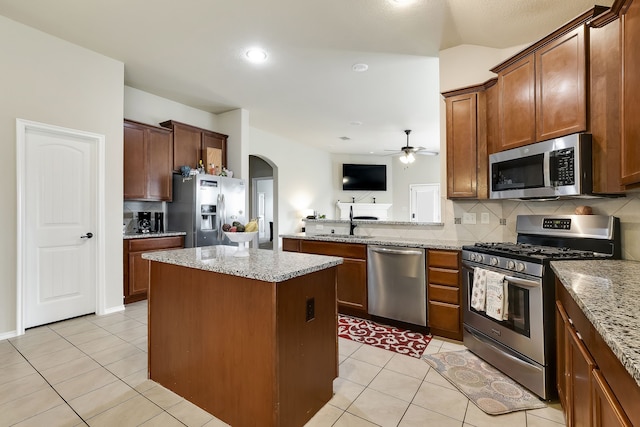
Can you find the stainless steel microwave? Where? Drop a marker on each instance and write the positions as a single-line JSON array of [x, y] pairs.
[[550, 169]]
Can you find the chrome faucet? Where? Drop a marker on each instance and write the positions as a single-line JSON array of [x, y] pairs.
[[351, 224]]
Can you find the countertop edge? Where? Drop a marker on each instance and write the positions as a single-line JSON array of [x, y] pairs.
[[132, 236], [384, 241]]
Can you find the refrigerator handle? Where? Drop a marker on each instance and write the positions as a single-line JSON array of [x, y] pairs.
[[220, 216]]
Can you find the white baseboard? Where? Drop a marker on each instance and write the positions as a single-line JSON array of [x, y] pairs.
[[7, 335], [112, 310]]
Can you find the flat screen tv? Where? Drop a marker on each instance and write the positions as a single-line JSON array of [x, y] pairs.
[[359, 177]]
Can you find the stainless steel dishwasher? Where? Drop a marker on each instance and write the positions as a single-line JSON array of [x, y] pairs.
[[396, 283]]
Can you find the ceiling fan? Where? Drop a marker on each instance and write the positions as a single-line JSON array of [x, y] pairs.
[[408, 151]]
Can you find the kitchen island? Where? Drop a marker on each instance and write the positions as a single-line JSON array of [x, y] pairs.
[[252, 340]]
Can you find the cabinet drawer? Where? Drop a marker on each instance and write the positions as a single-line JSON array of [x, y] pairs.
[[444, 259], [154, 243], [442, 276], [346, 250], [446, 294], [291, 245], [444, 316]]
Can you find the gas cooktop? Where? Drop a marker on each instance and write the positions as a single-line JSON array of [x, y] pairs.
[[529, 250]]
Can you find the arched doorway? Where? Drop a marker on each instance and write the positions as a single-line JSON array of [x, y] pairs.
[[263, 196]]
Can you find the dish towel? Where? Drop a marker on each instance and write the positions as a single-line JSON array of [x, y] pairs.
[[497, 296], [479, 291]]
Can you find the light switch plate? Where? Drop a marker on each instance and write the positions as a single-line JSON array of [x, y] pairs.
[[469, 218], [484, 218]]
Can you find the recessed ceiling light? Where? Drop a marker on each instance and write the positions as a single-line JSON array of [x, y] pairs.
[[355, 123], [401, 2], [360, 68], [344, 138], [256, 54]]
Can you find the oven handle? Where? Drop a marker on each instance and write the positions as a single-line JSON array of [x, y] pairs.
[[523, 282], [516, 280]]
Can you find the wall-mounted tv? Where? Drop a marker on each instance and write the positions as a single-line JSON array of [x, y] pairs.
[[360, 177]]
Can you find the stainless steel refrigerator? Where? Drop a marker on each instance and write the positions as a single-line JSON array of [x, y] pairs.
[[201, 204]]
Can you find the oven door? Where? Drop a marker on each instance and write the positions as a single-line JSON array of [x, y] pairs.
[[523, 330]]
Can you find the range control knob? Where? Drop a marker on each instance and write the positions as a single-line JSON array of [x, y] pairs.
[[493, 260], [511, 264], [520, 266], [472, 257]]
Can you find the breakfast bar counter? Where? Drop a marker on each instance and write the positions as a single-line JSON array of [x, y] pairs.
[[251, 340]]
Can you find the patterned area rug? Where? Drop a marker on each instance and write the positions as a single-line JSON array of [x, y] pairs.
[[484, 385], [382, 336]]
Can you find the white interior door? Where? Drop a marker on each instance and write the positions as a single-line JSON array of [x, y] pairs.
[[425, 202], [60, 217]]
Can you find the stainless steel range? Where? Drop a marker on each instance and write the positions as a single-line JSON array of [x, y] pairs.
[[522, 342]]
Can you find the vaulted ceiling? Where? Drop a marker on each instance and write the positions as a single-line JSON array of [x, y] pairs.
[[192, 51]]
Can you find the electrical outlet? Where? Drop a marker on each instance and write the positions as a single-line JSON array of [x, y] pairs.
[[484, 218], [469, 218], [457, 220], [311, 309], [503, 221]]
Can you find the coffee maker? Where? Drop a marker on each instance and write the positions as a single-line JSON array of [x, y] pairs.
[[144, 222], [158, 225]]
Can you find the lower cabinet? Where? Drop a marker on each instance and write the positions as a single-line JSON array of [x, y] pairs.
[[593, 386], [444, 311], [136, 269], [352, 273]]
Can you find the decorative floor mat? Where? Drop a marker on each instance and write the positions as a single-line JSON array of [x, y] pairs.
[[490, 390], [382, 336]]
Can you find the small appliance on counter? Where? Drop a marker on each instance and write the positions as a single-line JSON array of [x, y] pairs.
[[158, 224], [144, 222]]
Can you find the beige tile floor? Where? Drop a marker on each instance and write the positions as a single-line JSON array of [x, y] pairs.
[[92, 371]]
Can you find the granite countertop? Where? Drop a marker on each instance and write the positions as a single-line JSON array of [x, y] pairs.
[[373, 222], [130, 236], [383, 240], [261, 264], [607, 292]]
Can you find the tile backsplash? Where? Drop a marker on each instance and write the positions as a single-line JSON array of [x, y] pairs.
[[500, 220]]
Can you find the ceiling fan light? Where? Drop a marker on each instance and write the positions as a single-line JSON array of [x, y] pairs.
[[410, 158], [404, 159]]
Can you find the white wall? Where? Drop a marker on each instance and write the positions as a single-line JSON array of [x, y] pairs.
[[425, 170], [337, 161], [48, 80], [300, 178], [151, 109]]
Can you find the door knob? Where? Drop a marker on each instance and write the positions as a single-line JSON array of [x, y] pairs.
[[87, 236]]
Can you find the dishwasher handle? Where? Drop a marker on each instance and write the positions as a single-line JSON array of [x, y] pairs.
[[395, 251]]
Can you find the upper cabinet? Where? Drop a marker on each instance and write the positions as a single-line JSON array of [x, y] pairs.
[[468, 124], [516, 104], [147, 162], [542, 91], [630, 147], [561, 86], [192, 144]]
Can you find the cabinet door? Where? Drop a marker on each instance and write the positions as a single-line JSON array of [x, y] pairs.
[[462, 146], [580, 364], [352, 284], [561, 100], [135, 182], [186, 147], [516, 104], [607, 411], [630, 149], [138, 274], [445, 317], [291, 245], [214, 149], [562, 325], [159, 163]]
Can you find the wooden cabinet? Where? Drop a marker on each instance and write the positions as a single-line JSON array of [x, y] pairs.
[[352, 273], [593, 386], [467, 155], [630, 147], [136, 269], [147, 162], [561, 86], [516, 104], [543, 89], [192, 144], [444, 297]]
